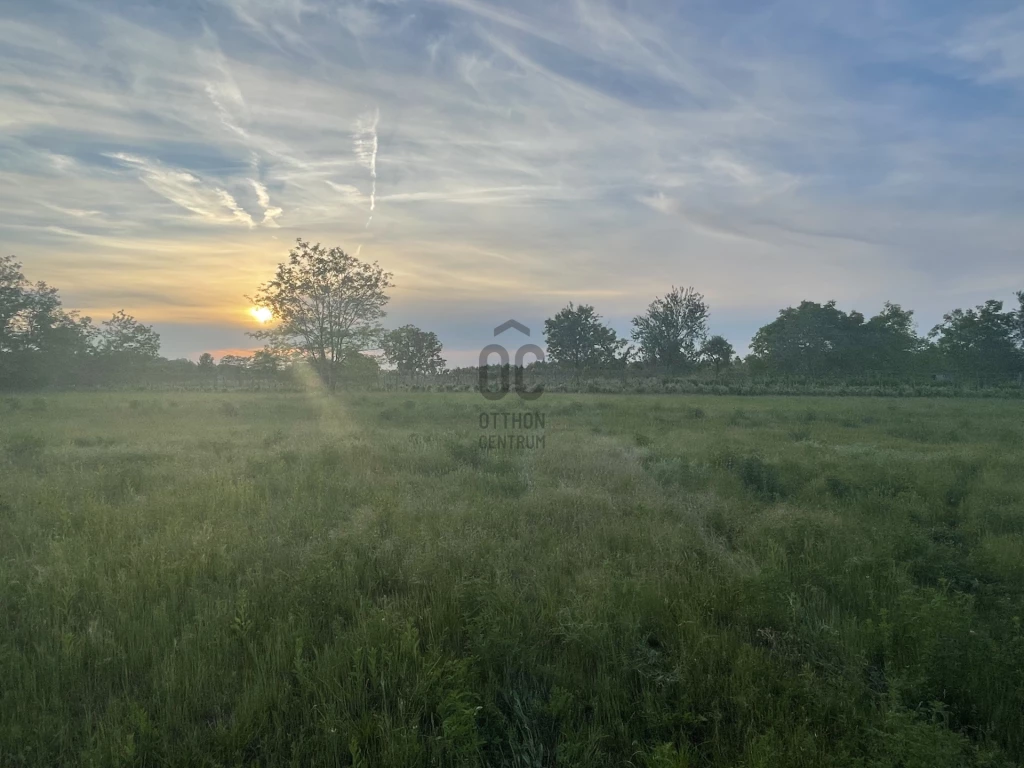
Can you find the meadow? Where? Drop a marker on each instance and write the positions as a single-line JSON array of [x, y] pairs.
[[227, 579]]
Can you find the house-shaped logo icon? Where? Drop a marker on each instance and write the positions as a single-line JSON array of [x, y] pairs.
[[505, 367], [511, 324]]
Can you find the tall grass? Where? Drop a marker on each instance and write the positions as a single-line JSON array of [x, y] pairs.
[[300, 579]]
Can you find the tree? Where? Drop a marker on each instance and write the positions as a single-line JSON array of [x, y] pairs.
[[673, 330], [412, 350], [235, 361], [718, 352], [125, 337], [1018, 322], [326, 304], [266, 361], [891, 340], [14, 301], [125, 347], [40, 342], [207, 369], [821, 340], [577, 338], [234, 369], [979, 341], [811, 340]]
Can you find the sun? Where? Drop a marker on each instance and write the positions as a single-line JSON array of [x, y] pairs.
[[262, 314]]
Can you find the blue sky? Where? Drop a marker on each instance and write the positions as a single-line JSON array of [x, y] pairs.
[[504, 159]]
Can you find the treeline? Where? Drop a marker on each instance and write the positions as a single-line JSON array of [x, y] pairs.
[[44, 345], [327, 306], [983, 345]]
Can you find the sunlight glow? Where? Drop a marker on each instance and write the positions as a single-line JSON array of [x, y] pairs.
[[262, 314]]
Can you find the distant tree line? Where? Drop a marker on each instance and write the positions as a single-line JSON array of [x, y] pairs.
[[812, 341], [327, 307], [984, 344]]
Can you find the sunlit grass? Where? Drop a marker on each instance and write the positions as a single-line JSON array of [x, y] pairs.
[[305, 579]]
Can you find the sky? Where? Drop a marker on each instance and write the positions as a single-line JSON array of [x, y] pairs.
[[504, 159]]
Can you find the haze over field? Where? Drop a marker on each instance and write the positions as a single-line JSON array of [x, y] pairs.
[[503, 160]]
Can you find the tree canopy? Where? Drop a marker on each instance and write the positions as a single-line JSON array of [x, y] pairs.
[[822, 340], [40, 342], [412, 350], [125, 337], [982, 341], [576, 337], [717, 352], [673, 329], [326, 305]]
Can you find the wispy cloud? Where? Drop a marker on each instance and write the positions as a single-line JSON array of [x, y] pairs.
[[995, 45], [365, 142], [270, 213], [186, 190], [535, 148]]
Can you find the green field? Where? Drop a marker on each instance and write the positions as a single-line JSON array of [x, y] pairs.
[[289, 579]]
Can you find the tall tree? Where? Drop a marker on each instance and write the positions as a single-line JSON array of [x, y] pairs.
[[207, 368], [718, 352], [235, 361], [326, 304], [412, 350], [1018, 322], [124, 337], [40, 342], [673, 329], [266, 361], [14, 301], [577, 338], [812, 340], [821, 340], [890, 341], [979, 341], [125, 349]]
